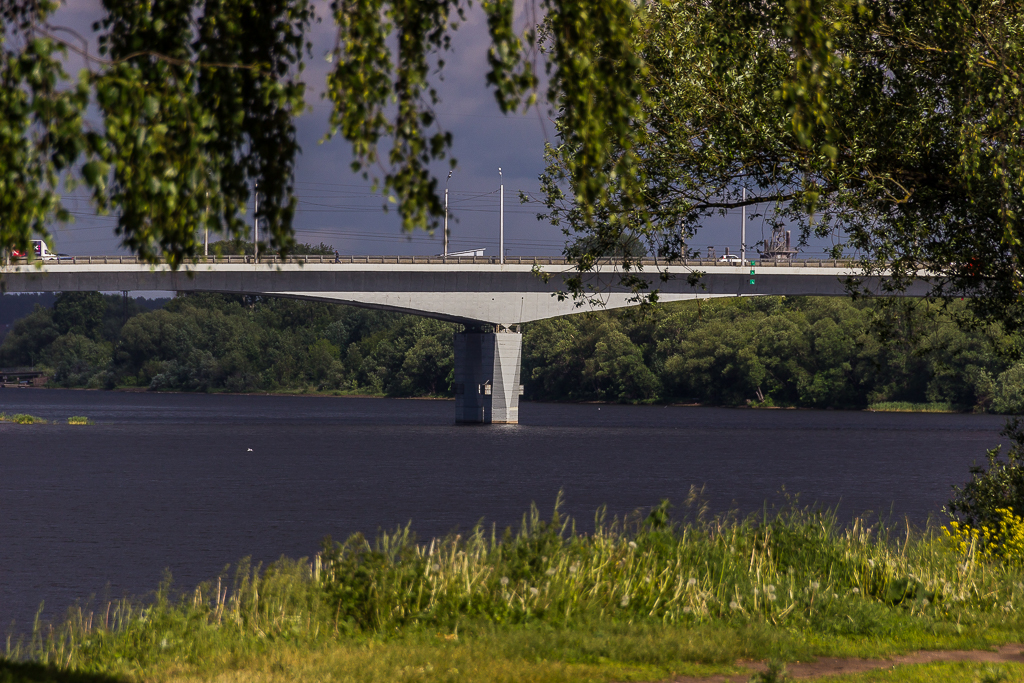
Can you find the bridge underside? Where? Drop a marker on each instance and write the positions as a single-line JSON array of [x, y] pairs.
[[491, 300]]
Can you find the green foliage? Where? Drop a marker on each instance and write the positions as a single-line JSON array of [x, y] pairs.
[[999, 486], [598, 88], [306, 249], [811, 352], [76, 340], [209, 342], [22, 419], [240, 247], [994, 674], [250, 65], [796, 567], [869, 120], [861, 122], [368, 80], [80, 313], [78, 360], [775, 673], [155, 132], [790, 584], [908, 407], [1009, 396], [28, 339], [16, 306], [195, 112], [235, 247], [593, 84], [41, 135]]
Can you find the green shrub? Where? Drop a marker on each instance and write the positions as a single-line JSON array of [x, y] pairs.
[[999, 486], [1009, 394]]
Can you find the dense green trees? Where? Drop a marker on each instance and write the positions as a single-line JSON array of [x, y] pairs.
[[209, 342], [75, 338], [809, 352]]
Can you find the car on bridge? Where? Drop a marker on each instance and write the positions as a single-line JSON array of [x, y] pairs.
[[42, 252], [731, 260]]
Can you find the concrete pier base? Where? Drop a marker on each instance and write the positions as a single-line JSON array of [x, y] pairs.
[[487, 367]]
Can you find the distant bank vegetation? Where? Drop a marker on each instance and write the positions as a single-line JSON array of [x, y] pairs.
[[22, 419], [770, 351]]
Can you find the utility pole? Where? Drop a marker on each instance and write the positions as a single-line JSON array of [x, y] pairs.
[[743, 229], [256, 227], [501, 219], [206, 225], [446, 213]]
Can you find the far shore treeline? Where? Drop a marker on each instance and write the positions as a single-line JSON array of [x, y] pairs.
[[769, 351]]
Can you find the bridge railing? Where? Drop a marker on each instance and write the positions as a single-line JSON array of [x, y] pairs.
[[441, 260]]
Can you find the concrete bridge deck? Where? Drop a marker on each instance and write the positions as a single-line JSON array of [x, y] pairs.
[[472, 291], [491, 299]]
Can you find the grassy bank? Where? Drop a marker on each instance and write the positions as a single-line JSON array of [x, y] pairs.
[[908, 407], [641, 600]]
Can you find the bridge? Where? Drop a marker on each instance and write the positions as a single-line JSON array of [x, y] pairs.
[[490, 299]]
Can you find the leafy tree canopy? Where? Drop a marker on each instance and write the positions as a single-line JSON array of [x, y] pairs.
[[197, 100], [898, 122], [895, 125]]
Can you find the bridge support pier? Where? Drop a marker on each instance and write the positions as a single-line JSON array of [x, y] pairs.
[[487, 367]]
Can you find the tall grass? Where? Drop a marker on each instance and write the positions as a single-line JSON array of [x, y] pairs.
[[797, 568], [792, 571]]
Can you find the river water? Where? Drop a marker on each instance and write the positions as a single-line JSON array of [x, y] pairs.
[[191, 483]]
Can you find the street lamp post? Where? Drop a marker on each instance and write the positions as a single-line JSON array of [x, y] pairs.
[[446, 213], [501, 218], [256, 227], [743, 229]]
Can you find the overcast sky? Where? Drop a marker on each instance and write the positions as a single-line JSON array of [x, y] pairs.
[[337, 207]]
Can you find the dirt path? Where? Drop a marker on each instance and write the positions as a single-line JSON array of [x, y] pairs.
[[831, 666]]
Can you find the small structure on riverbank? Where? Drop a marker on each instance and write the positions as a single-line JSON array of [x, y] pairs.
[[22, 377]]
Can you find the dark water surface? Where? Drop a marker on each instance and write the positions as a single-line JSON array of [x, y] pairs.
[[169, 480]]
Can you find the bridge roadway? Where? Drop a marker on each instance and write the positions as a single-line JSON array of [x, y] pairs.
[[490, 299]]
